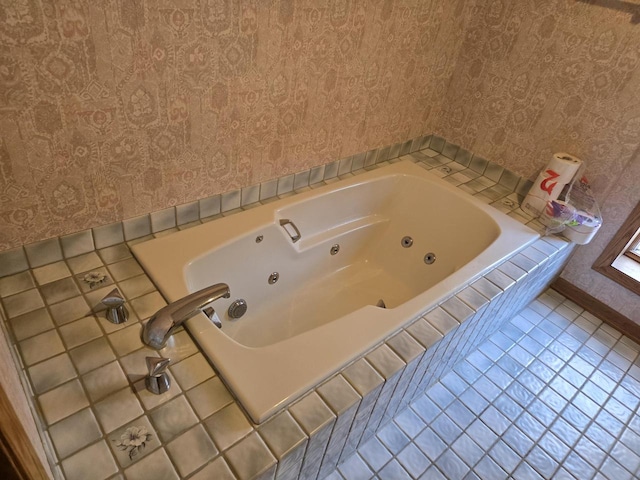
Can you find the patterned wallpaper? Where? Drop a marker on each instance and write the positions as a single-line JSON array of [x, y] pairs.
[[624, 196], [116, 108], [110, 109], [535, 78]]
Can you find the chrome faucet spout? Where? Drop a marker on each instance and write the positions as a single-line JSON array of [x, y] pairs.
[[162, 325]]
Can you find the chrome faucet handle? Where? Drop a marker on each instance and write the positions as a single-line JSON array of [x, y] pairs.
[[158, 380], [161, 326], [116, 311]]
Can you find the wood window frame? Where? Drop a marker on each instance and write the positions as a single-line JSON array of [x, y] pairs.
[[613, 263]]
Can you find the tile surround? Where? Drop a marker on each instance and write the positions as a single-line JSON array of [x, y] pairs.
[[363, 380]]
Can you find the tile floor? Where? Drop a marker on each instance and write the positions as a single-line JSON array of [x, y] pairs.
[[553, 394]]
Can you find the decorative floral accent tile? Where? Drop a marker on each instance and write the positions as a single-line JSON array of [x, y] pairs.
[[133, 441], [94, 279]]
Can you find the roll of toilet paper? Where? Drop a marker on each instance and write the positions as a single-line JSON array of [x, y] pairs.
[[560, 171]]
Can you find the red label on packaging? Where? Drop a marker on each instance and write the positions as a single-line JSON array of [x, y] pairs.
[[546, 185]]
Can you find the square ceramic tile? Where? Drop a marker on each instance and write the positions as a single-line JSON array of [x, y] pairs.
[[218, 469], [284, 437], [51, 272], [443, 321], [268, 189], [163, 219], [410, 423], [430, 443], [187, 213], [136, 227], [147, 305], [510, 179], [59, 290], [393, 438], [104, 381], [125, 269], [385, 361], [136, 286], [40, 347], [155, 466], [472, 298], [118, 409], [192, 371], [210, 206], [316, 175], [126, 340], [63, 401], [425, 333], [344, 165], [44, 252], [251, 458], [77, 244], [84, 263], [249, 195], [338, 394], [230, 201], [363, 377], [191, 450], [16, 283], [51, 373], [285, 184], [133, 441], [383, 155], [94, 462], [69, 310], [114, 253], [74, 432], [13, 261], [81, 331], [92, 355], [108, 235], [355, 468], [173, 418], [312, 414], [413, 460], [375, 453], [209, 397], [22, 303], [456, 308], [31, 324], [228, 426]]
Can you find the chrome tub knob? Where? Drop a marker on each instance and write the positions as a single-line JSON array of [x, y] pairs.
[[158, 380], [116, 311]]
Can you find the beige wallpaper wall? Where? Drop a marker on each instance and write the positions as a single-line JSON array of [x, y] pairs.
[[535, 78], [114, 108]]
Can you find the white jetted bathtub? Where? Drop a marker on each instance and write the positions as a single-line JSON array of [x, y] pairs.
[[363, 267]]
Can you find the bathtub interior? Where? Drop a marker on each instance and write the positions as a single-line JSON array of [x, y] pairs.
[[367, 221], [296, 334]]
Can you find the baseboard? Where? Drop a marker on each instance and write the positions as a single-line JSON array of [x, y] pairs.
[[624, 325]]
